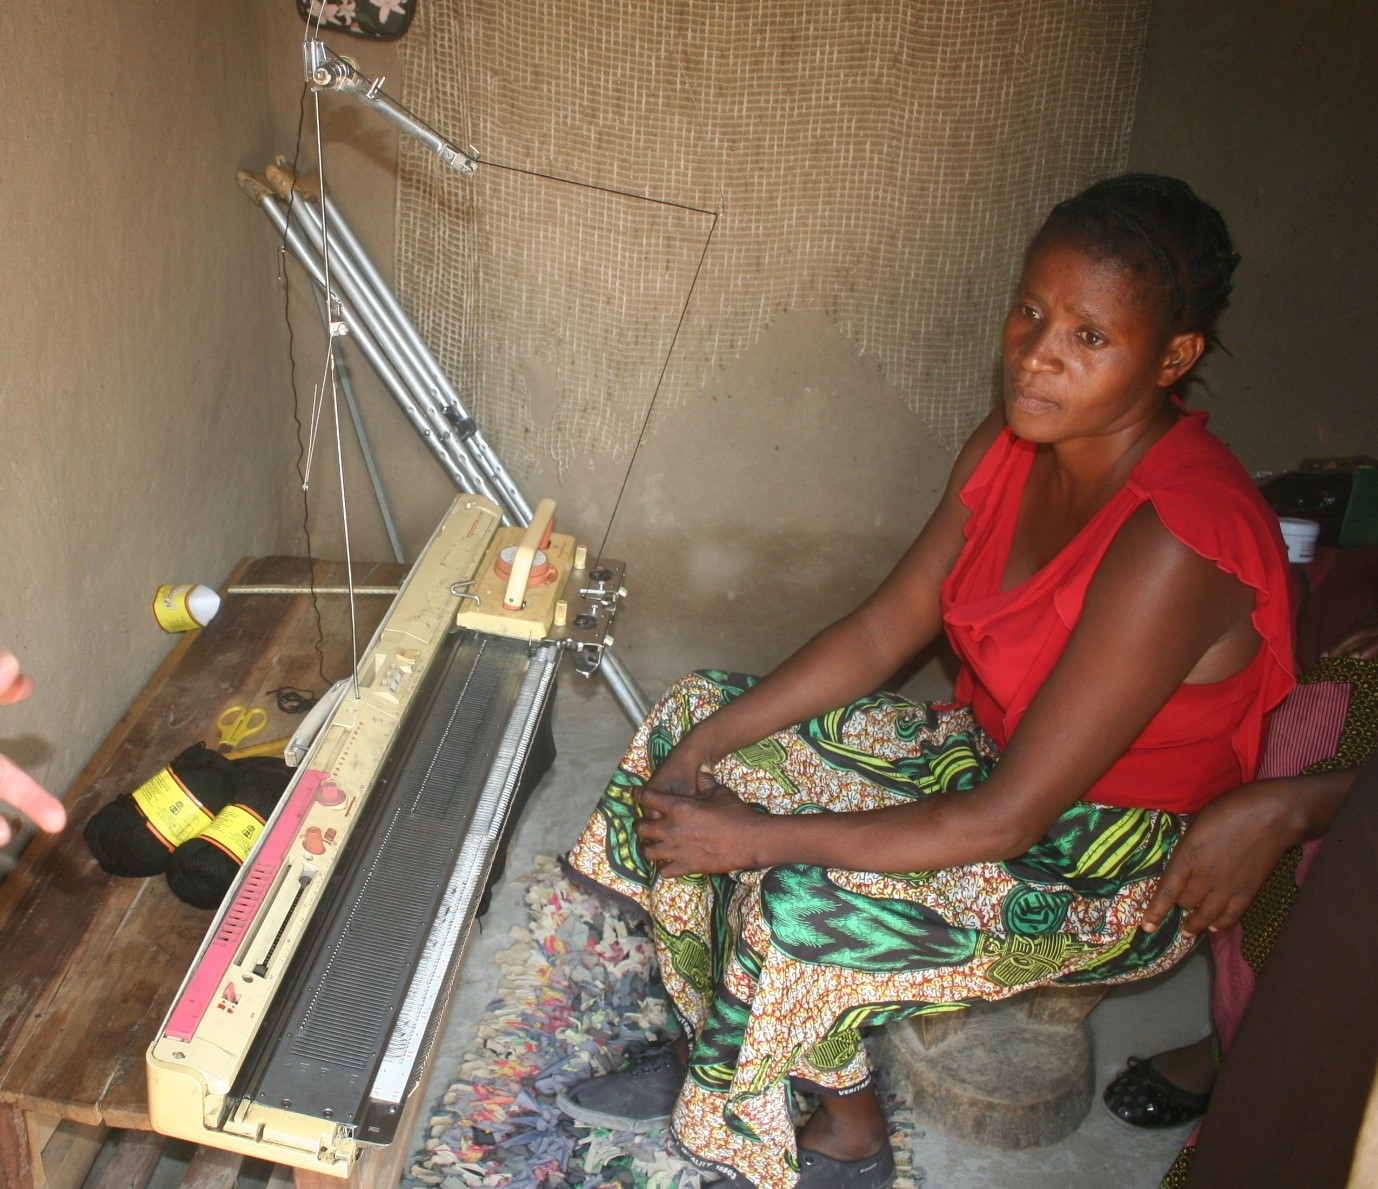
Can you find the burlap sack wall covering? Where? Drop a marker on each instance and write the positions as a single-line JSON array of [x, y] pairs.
[[881, 161]]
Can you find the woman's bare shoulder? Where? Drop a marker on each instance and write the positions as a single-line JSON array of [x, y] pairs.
[[1147, 567]]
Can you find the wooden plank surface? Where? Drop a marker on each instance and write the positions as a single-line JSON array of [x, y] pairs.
[[93, 961], [212, 1169], [135, 1157]]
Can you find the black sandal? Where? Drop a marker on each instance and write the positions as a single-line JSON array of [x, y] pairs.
[[1141, 1097]]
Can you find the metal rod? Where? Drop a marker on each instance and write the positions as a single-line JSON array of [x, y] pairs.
[[365, 447], [367, 311], [623, 687], [461, 470], [320, 590], [326, 70], [479, 449], [364, 299]]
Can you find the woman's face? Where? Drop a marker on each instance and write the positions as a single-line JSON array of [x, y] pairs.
[[1087, 352]]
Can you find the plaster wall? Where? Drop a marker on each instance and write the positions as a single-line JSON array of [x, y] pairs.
[[141, 381], [1266, 108], [775, 497]]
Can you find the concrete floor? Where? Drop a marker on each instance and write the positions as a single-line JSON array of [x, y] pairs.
[[591, 732]]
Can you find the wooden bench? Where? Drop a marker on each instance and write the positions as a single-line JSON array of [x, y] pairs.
[[88, 962]]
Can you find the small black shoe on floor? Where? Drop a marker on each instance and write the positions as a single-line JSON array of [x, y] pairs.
[[817, 1171], [1142, 1097], [639, 1098]]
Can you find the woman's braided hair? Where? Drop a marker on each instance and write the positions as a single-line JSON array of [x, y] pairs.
[[1157, 228]]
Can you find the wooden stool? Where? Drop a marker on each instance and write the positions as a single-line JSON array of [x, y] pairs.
[[1014, 1074]]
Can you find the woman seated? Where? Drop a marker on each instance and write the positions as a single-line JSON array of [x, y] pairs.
[[818, 859]]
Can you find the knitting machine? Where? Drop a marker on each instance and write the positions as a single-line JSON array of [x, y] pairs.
[[304, 1023]]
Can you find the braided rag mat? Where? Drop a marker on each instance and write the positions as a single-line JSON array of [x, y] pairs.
[[578, 990]]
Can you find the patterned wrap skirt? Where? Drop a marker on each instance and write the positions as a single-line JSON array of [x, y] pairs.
[[777, 974]]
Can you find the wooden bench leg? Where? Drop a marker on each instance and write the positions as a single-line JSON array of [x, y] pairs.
[[135, 1158], [15, 1155], [47, 1151], [69, 1151], [212, 1169]]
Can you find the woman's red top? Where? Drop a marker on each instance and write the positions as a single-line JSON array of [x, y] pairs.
[[1207, 738]]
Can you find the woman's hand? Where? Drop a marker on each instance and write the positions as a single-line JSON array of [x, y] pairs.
[[1234, 843], [1217, 868], [707, 833], [678, 772], [1360, 641]]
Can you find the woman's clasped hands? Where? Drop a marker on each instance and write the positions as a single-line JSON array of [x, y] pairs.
[[695, 825]]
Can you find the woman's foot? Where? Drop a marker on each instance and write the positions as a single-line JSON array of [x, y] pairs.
[[846, 1145], [817, 1171], [1167, 1090], [637, 1098], [845, 1126], [1192, 1068]]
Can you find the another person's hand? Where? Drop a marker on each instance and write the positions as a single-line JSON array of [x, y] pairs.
[[1234, 843], [708, 833], [1222, 861], [1360, 641], [17, 787]]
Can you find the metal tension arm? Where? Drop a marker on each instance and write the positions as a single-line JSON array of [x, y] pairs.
[[327, 71]]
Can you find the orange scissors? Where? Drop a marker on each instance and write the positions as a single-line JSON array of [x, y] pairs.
[[237, 724]]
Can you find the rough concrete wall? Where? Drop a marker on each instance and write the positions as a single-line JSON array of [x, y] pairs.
[[1267, 109], [141, 384], [770, 506]]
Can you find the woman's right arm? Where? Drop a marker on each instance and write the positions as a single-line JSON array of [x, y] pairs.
[[852, 657]]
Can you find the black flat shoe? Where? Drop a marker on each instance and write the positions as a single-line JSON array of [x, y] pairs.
[[638, 1098], [1142, 1097], [817, 1171]]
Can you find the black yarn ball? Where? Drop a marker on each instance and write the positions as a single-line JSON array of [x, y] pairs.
[[201, 870], [123, 838]]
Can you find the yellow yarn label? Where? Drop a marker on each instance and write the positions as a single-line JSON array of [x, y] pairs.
[[235, 830], [171, 611], [173, 814]]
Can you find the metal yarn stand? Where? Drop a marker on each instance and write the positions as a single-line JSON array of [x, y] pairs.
[[409, 371]]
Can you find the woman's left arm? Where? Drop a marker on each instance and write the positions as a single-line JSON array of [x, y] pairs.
[[1151, 613]]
